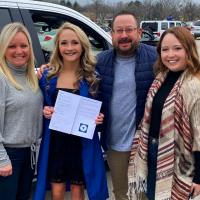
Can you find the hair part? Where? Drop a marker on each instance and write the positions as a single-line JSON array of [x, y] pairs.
[[7, 34], [87, 60], [188, 42]]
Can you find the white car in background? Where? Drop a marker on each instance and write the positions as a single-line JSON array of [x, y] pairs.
[[42, 19], [157, 27], [194, 28]]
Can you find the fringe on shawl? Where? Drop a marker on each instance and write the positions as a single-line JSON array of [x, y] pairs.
[[137, 187], [137, 179], [137, 175]]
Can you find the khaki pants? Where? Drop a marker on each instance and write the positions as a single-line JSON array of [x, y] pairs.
[[118, 164], [141, 196]]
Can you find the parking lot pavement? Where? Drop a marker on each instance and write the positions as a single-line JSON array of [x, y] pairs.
[[67, 196]]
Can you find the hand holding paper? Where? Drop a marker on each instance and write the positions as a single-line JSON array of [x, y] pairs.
[[99, 119], [75, 114]]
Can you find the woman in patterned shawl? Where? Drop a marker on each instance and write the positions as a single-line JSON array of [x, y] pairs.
[[165, 156]]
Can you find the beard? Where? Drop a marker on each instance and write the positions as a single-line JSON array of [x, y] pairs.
[[128, 51]]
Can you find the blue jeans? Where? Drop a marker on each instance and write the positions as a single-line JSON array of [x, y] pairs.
[[18, 185], [152, 167]]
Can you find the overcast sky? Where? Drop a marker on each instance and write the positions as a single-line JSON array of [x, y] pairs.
[[84, 2]]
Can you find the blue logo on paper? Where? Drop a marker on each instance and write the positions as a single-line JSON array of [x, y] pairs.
[[83, 128]]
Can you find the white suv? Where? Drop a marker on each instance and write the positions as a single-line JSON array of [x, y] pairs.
[[158, 26]]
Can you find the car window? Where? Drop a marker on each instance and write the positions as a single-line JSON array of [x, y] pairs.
[[179, 24], [46, 24], [184, 24], [164, 25], [150, 25], [197, 23], [5, 17], [145, 36], [171, 24]]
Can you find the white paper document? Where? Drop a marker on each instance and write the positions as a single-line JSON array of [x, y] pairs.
[[75, 114]]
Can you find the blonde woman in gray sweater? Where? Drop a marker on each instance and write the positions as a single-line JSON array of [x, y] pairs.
[[20, 112]]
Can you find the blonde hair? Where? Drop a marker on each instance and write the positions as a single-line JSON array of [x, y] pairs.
[[188, 42], [87, 60], [6, 36]]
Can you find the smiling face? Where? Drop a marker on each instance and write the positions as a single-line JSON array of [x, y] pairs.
[[125, 34], [18, 51], [70, 46], [173, 54]]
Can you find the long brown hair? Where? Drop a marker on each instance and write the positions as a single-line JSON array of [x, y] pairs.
[[188, 42]]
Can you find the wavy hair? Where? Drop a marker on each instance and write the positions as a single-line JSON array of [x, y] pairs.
[[7, 34], [188, 42], [87, 60]]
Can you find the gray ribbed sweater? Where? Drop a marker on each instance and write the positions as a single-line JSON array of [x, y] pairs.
[[20, 114]]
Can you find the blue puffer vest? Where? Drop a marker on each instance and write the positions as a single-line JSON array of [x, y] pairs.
[[145, 58]]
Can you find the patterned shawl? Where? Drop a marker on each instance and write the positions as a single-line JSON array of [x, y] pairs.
[[174, 135]]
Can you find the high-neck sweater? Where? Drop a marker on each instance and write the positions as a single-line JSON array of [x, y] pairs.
[[159, 100], [20, 113]]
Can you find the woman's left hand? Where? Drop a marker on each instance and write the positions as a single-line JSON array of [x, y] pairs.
[[99, 119], [195, 190], [48, 111]]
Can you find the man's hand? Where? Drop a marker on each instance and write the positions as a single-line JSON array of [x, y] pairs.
[[40, 70], [6, 170]]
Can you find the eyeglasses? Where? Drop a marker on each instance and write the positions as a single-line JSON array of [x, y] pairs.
[[127, 30]]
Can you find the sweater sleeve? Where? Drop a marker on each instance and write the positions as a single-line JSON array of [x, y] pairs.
[[195, 125], [196, 178], [4, 159]]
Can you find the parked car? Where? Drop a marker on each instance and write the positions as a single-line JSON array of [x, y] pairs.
[[42, 19], [149, 38], [158, 26], [188, 25], [194, 28]]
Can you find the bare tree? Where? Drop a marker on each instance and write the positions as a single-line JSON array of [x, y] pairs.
[[135, 6], [148, 9], [190, 10], [119, 6], [185, 10], [100, 9], [159, 9], [76, 6], [69, 4], [62, 2]]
